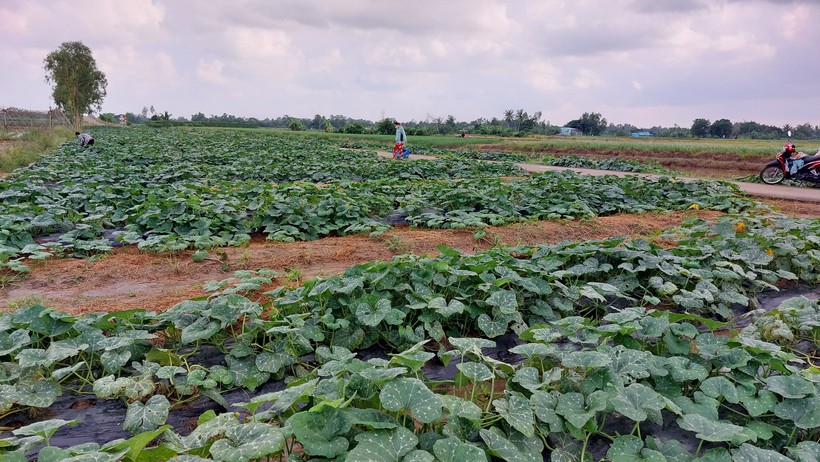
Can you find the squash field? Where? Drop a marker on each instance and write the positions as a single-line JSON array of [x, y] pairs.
[[667, 349]]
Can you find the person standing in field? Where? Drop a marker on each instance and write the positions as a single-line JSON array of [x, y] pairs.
[[401, 138], [86, 140]]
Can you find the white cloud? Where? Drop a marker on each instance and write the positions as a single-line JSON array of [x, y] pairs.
[[544, 76], [587, 78], [210, 71]]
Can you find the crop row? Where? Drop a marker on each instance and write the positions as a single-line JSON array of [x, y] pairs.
[[156, 157], [597, 370], [38, 220]]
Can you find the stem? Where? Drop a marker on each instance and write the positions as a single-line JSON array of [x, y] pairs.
[[697, 452], [492, 393], [791, 436], [584, 450]]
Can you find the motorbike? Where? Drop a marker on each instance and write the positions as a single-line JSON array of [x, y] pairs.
[[780, 169]]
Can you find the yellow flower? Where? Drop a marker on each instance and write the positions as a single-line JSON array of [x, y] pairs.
[[740, 227], [770, 252], [694, 207]]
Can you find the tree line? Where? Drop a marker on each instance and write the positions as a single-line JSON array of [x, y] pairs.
[[512, 123]]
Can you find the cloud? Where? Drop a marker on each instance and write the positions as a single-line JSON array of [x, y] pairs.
[[210, 71], [644, 59]]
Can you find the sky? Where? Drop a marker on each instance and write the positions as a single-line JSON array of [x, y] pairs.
[[640, 62]]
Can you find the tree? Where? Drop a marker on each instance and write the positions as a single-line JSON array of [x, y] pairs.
[[508, 117], [383, 127], [721, 128], [700, 127], [590, 123], [296, 125], [78, 86]]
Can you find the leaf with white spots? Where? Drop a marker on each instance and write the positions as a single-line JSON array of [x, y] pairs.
[[637, 401], [411, 394], [146, 417], [242, 443], [454, 450], [383, 445]]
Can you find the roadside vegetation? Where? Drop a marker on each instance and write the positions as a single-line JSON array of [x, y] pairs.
[[19, 148]]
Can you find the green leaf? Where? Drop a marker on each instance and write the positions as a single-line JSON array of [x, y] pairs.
[[749, 453], [242, 443], [274, 362], [709, 430], [514, 448], [412, 394], [756, 402], [805, 451], [418, 455], [382, 312], [136, 444], [9, 343], [146, 417], [673, 450], [571, 407], [454, 450], [476, 372], [805, 413], [492, 327], [586, 359], [717, 387], [319, 432], [383, 445], [631, 449], [445, 309], [471, 344], [44, 429], [517, 412], [201, 329], [636, 401], [504, 300], [372, 419], [789, 386], [459, 407], [544, 404]]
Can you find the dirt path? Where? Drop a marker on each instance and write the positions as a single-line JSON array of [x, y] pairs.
[[780, 192], [129, 278]]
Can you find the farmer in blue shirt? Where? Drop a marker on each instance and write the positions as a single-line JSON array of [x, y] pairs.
[[401, 137]]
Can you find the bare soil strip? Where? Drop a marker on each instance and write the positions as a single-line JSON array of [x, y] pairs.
[[129, 278]]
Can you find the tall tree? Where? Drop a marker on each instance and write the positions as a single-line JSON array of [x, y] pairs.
[[508, 117], [520, 115], [700, 127], [721, 128], [590, 123], [78, 86]]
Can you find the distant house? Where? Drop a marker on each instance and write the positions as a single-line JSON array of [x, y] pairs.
[[640, 134], [569, 131]]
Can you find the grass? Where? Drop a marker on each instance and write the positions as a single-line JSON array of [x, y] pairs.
[[22, 147]]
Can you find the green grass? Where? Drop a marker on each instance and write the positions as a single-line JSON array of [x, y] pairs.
[[20, 148]]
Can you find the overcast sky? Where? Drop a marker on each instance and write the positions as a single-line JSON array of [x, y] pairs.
[[644, 62]]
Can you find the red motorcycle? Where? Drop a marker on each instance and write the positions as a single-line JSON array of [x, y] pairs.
[[807, 168]]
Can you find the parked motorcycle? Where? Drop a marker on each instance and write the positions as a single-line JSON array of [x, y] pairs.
[[780, 169]]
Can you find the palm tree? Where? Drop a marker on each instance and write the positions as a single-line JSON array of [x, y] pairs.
[[520, 115], [508, 117]]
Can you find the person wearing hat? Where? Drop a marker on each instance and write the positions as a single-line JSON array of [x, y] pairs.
[[401, 138], [86, 140]]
